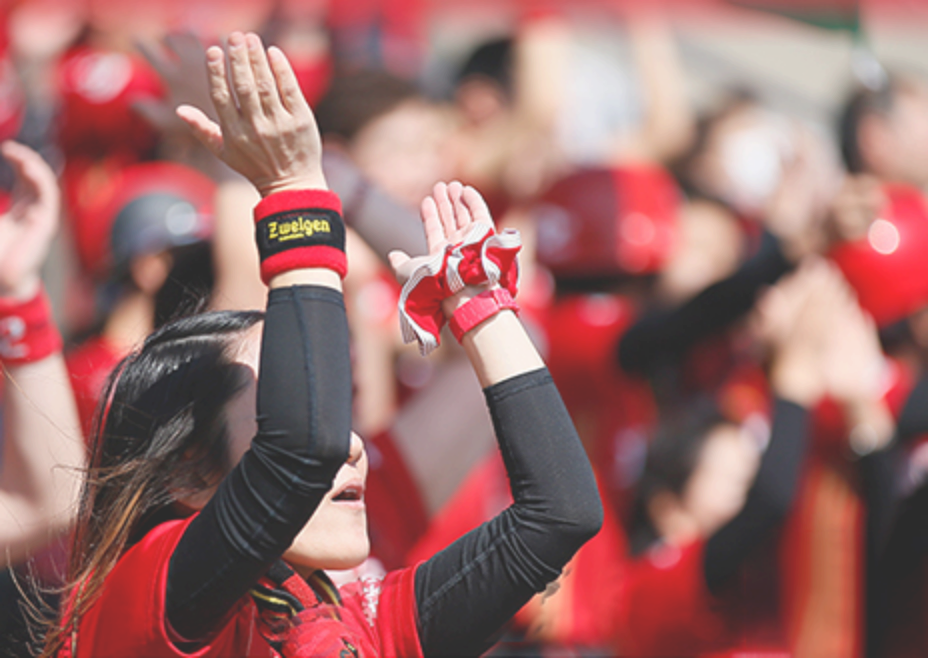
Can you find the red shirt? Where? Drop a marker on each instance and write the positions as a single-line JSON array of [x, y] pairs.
[[377, 618], [88, 366]]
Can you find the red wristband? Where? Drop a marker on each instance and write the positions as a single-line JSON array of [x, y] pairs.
[[300, 228], [27, 330], [476, 310]]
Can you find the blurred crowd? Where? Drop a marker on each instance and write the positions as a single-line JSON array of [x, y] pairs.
[[733, 301]]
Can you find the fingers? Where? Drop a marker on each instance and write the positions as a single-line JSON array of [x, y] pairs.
[[398, 261], [431, 221], [264, 81], [219, 91], [242, 77], [290, 93], [153, 56], [479, 210], [204, 129], [462, 216], [445, 209]]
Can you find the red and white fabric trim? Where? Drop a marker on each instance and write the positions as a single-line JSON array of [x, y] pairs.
[[483, 257]]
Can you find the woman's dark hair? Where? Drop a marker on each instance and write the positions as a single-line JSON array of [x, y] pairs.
[[672, 458], [160, 433]]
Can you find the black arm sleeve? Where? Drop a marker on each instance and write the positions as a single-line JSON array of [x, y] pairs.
[[666, 336], [304, 429], [468, 591], [768, 501], [913, 420]]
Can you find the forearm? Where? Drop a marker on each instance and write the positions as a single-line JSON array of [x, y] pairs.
[[304, 411], [669, 335], [43, 456], [498, 348], [469, 590], [769, 498]]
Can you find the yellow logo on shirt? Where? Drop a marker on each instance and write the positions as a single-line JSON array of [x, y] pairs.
[[301, 227]]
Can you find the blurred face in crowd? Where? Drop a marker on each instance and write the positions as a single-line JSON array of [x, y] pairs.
[[743, 158], [708, 249], [894, 146], [403, 151]]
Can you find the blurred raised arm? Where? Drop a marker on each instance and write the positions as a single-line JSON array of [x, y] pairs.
[[43, 452]]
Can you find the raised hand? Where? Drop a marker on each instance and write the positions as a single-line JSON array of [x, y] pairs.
[[27, 228], [447, 215], [180, 63], [796, 320], [266, 130]]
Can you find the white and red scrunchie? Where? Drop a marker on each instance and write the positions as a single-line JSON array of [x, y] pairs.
[[300, 228], [27, 330], [483, 257]]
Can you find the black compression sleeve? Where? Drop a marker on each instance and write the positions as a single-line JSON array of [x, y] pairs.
[[304, 429], [668, 335], [468, 591], [913, 421], [768, 501]]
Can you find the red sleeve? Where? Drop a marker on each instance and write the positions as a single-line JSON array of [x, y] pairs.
[[669, 609], [129, 619]]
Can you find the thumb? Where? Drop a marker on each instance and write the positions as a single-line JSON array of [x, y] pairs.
[[399, 261], [205, 129]]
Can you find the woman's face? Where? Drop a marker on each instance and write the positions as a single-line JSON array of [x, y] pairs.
[[336, 535]]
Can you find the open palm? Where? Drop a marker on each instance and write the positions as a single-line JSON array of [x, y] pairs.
[[447, 216]]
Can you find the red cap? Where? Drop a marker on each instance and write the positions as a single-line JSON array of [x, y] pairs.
[[888, 267], [143, 208], [608, 222], [98, 89]]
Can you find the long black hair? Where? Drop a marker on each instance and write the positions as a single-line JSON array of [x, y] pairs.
[[160, 433]]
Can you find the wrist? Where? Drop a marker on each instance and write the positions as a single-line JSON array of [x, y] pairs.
[[293, 184], [298, 229], [27, 329], [480, 308], [451, 304]]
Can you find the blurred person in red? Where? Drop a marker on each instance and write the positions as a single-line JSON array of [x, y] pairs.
[[145, 239], [884, 221], [713, 499], [42, 453]]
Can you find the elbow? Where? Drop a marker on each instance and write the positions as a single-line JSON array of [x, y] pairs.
[[591, 520], [582, 522]]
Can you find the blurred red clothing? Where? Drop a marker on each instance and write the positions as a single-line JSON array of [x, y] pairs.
[[89, 366]]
